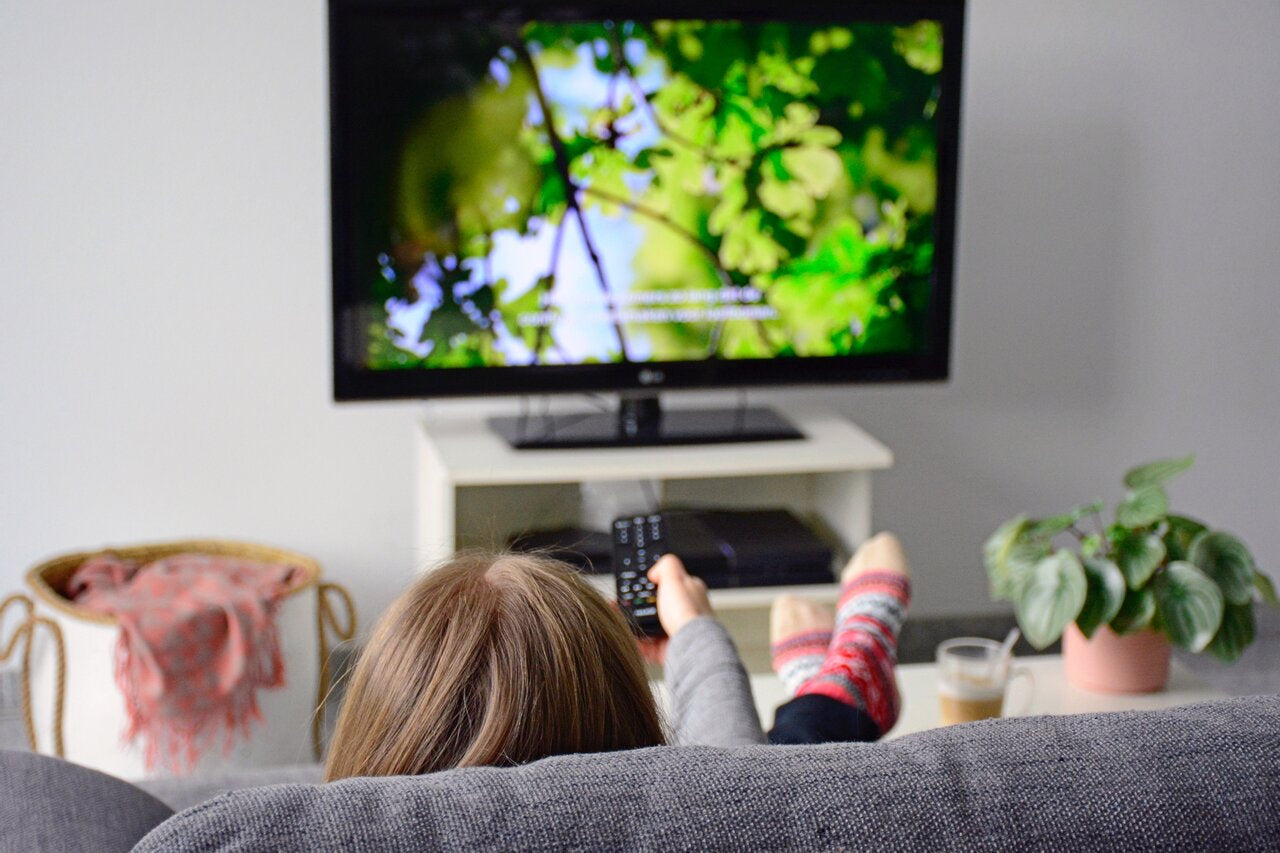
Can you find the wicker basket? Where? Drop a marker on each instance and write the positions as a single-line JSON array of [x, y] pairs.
[[74, 710]]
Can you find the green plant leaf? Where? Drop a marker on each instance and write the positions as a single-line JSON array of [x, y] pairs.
[[1138, 556], [1226, 560], [1048, 528], [1135, 613], [1023, 559], [1266, 589], [1142, 507], [995, 554], [1234, 634], [1190, 605], [1052, 598], [1088, 509], [1010, 558], [1106, 589], [1157, 473], [1178, 537]]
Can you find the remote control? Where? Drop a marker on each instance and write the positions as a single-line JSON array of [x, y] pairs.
[[638, 542]]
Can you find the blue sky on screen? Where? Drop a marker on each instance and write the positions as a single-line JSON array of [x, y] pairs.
[[583, 329]]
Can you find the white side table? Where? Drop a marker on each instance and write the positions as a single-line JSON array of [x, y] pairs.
[[1051, 694]]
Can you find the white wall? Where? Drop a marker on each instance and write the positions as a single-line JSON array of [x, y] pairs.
[[164, 363], [1118, 278], [164, 287]]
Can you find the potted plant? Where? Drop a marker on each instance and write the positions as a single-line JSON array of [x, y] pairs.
[[1122, 592]]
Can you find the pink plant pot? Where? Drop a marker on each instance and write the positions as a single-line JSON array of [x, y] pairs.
[[1111, 663]]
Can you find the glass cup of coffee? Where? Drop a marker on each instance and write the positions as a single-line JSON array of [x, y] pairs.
[[973, 675]]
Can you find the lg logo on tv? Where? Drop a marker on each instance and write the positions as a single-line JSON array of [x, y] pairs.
[[652, 377]]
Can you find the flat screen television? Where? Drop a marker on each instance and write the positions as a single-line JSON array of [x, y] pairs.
[[630, 197]]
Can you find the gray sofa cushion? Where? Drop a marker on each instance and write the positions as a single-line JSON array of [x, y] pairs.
[[47, 804], [180, 793], [1199, 777]]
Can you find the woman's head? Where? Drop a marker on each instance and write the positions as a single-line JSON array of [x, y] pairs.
[[492, 660]]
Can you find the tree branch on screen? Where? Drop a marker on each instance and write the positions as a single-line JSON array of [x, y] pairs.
[[571, 189]]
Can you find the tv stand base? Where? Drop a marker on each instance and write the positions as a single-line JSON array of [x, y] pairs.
[[639, 422]]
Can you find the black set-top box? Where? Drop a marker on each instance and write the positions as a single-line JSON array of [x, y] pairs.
[[733, 548], [726, 548]]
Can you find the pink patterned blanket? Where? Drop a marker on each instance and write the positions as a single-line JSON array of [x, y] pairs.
[[197, 641]]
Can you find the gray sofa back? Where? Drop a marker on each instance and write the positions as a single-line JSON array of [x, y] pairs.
[[50, 804], [1199, 777]]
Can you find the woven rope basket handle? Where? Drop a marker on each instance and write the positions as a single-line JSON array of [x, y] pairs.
[[25, 634], [326, 621]]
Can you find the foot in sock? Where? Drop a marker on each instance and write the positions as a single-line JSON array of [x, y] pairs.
[[858, 667], [799, 634]]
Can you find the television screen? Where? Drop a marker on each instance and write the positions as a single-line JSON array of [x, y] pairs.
[[568, 196]]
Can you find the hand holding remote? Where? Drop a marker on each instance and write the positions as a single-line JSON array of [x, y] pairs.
[[681, 596]]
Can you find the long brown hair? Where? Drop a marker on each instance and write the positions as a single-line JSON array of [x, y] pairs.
[[493, 660]]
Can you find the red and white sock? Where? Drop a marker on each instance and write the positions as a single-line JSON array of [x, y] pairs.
[[798, 658], [858, 667]]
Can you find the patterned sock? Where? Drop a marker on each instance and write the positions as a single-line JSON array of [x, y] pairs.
[[797, 658], [858, 668]]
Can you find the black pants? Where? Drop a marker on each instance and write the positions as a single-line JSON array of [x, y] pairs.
[[820, 719]]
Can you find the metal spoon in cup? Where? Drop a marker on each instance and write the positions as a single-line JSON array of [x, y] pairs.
[[1006, 649]]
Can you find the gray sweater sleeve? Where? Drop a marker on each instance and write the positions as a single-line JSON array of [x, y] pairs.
[[711, 700]]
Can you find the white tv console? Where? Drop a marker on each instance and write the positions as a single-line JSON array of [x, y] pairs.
[[473, 490]]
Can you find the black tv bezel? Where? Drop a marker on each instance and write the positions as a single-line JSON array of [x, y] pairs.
[[352, 383]]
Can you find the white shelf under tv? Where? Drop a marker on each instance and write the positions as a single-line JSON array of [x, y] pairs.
[[474, 491]]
